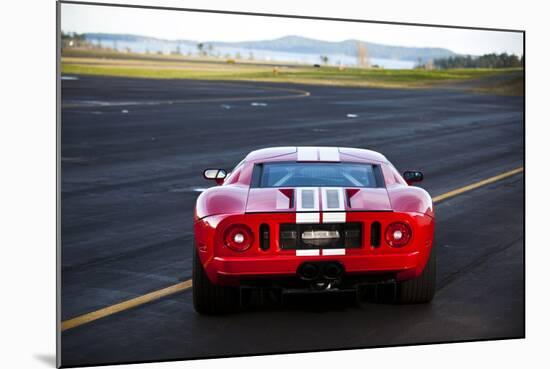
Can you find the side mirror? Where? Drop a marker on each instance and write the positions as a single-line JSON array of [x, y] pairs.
[[411, 176], [215, 174]]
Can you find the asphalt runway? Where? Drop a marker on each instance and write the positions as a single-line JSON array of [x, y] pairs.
[[132, 156]]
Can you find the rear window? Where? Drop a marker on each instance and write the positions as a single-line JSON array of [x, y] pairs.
[[317, 175]]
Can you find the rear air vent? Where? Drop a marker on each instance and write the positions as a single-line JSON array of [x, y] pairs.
[[333, 199], [264, 237], [308, 199], [375, 231]]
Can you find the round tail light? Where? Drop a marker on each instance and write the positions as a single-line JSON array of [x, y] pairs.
[[238, 238], [398, 234]]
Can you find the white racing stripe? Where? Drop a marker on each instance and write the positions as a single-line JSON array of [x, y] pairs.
[[307, 154], [329, 154], [325, 252], [333, 205], [331, 252], [307, 199], [307, 217], [339, 217], [307, 205], [318, 154], [333, 198], [307, 252]]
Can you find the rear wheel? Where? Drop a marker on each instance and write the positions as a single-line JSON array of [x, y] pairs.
[[209, 298], [420, 289]]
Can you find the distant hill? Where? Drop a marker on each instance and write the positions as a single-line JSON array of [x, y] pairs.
[[300, 44], [293, 44], [131, 38]]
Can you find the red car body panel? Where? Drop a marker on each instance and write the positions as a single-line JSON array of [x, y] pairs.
[[235, 202]]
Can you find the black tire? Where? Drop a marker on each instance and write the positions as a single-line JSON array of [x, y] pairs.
[[422, 289], [208, 298]]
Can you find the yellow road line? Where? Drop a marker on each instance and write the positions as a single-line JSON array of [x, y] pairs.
[[473, 186], [125, 305], [182, 286]]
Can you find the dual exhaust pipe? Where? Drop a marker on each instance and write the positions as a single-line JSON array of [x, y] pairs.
[[313, 271]]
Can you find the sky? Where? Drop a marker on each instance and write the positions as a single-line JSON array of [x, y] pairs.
[[172, 25]]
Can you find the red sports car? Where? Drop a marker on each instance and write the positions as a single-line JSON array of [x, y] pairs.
[[312, 219]]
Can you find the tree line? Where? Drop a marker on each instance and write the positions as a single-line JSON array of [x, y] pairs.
[[503, 60]]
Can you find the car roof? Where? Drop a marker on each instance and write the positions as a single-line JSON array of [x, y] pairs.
[[315, 153]]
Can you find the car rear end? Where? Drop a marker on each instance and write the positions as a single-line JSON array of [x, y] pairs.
[[314, 222], [337, 249]]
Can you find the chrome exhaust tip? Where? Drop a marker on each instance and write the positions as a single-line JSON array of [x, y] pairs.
[[308, 271], [332, 270]]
